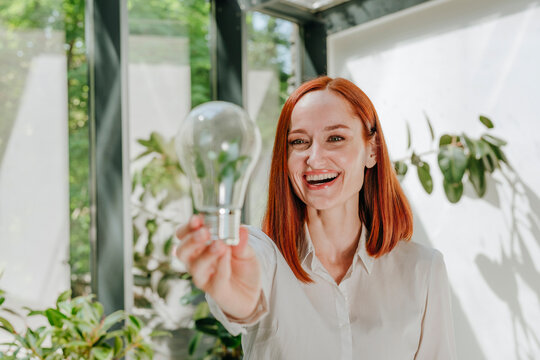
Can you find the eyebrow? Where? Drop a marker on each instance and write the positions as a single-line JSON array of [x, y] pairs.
[[328, 128]]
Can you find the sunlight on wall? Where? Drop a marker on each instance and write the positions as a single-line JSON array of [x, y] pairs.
[[34, 222], [452, 61]]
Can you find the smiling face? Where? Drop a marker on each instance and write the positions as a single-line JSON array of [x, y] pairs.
[[327, 153]]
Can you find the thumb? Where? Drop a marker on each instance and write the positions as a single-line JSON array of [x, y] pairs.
[[242, 250]]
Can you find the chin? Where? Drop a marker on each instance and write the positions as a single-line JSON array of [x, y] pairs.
[[320, 204]]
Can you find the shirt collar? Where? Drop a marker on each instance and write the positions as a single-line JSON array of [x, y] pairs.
[[307, 250]]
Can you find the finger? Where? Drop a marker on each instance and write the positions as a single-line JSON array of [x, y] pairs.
[[194, 223], [223, 268], [242, 250], [192, 245], [205, 265]]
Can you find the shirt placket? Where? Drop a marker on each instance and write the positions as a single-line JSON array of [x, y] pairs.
[[342, 310]]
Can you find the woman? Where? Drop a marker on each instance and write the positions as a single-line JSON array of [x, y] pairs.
[[333, 275]]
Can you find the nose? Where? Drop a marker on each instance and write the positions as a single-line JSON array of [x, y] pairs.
[[315, 156]]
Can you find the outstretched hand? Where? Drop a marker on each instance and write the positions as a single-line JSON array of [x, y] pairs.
[[231, 275]]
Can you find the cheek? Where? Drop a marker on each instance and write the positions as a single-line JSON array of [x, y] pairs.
[[294, 164], [295, 172]]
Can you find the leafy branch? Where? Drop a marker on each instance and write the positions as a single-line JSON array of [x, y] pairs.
[[77, 329], [460, 158]]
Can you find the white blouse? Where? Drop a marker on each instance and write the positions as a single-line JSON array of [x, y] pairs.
[[393, 307]]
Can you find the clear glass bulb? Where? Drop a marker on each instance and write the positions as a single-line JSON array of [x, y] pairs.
[[218, 146]]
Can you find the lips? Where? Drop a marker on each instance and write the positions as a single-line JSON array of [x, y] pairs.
[[320, 180]]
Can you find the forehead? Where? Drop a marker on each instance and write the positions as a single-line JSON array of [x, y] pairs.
[[323, 108]]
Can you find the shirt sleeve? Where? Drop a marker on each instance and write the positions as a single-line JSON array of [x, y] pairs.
[[266, 254], [437, 336]]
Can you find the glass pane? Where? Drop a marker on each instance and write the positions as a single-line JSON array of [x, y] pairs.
[[34, 186], [271, 76], [169, 72]]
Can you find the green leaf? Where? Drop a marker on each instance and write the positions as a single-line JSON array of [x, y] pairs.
[[489, 158], [452, 162], [207, 325], [2, 299], [425, 177], [493, 140], [194, 343], [55, 317], [160, 333], [163, 286], [151, 226], [471, 147], [401, 169], [167, 246], [113, 319], [65, 296], [186, 276], [6, 325], [408, 136], [231, 341], [487, 122], [201, 311], [135, 321], [499, 153], [142, 280], [477, 175], [453, 191], [102, 353], [118, 345], [445, 140], [431, 132], [146, 350], [482, 148], [98, 309], [149, 248], [143, 154]]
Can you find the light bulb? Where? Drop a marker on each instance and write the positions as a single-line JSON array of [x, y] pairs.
[[218, 146]]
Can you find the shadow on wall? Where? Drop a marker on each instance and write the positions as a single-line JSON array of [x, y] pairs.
[[516, 263], [465, 336]]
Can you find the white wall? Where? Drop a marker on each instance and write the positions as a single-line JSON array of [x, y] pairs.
[[454, 60]]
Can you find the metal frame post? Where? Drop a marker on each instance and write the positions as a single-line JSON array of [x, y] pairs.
[[110, 234]]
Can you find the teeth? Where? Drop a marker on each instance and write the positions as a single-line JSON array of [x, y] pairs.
[[321, 176]]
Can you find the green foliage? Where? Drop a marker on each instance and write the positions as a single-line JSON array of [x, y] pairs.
[[160, 182], [460, 158], [225, 345], [77, 329]]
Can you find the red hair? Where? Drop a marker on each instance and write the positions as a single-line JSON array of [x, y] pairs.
[[383, 209]]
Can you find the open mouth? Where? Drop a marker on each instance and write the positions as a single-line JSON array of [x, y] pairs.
[[319, 180]]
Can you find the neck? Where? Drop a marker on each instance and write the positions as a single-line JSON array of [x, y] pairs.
[[335, 232]]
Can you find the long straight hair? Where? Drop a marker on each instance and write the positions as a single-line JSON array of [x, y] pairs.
[[383, 207]]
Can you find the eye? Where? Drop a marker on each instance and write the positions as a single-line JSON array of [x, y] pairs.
[[335, 138], [297, 142]]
